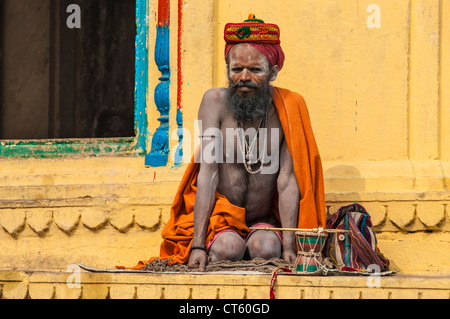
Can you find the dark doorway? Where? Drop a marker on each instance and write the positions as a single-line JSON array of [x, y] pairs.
[[62, 82]]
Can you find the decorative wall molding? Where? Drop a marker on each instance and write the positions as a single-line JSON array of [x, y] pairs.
[[67, 219], [404, 216], [152, 214]]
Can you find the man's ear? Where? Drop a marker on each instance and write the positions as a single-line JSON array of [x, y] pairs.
[[274, 72]]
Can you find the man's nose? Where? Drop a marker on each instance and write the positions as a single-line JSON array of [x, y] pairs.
[[245, 75]]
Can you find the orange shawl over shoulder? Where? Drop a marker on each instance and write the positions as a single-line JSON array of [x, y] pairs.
[[294, 117]]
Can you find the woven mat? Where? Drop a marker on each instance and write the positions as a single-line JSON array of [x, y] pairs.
[[256, 264]]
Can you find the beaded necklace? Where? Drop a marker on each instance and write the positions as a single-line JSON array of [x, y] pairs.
[[247, 150]]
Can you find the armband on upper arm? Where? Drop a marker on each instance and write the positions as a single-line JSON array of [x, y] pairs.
[[207, 137]]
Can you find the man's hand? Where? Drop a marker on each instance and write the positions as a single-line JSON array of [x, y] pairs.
[[198, 259], [289, 255], [289, 251]]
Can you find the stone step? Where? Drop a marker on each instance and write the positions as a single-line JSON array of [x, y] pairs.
[[76, 284]]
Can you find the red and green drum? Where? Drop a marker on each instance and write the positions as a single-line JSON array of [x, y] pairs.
[[309, 252]]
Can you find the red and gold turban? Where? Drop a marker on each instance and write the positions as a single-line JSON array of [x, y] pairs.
[[264, 37]]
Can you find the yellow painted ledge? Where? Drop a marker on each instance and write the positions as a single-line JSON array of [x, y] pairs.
[[84, 285]]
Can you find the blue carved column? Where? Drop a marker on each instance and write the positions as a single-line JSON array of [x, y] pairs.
[[159, 152]]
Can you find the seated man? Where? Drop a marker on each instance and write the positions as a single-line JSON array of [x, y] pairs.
[[246, 103], [274, 178]]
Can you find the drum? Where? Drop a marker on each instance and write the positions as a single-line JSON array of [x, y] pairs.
[[309, 252]]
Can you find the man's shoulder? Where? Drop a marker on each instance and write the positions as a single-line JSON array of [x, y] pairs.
[[213, 103], [215, 94]]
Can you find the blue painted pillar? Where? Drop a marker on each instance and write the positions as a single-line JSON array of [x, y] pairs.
[[159, 153]]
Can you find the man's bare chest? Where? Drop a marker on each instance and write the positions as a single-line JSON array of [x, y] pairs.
[[241, 187]]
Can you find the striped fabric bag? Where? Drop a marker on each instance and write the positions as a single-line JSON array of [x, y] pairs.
[[357, 249]]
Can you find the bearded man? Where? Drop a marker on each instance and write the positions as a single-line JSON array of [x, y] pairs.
[[219, 201]]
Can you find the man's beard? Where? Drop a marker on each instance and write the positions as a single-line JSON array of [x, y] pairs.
[[249, 109]]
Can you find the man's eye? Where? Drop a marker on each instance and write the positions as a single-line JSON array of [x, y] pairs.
[[255, 69], [236, 69]]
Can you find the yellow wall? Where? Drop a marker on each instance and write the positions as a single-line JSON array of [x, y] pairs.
[[378, 97]]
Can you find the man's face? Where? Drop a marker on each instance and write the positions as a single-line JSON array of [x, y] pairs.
[[249, 74], [248, 69]]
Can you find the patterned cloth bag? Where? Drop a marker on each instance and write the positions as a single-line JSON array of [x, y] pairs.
[[357, 249]]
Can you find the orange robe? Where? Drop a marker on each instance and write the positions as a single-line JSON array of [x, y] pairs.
[[294, 117]]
